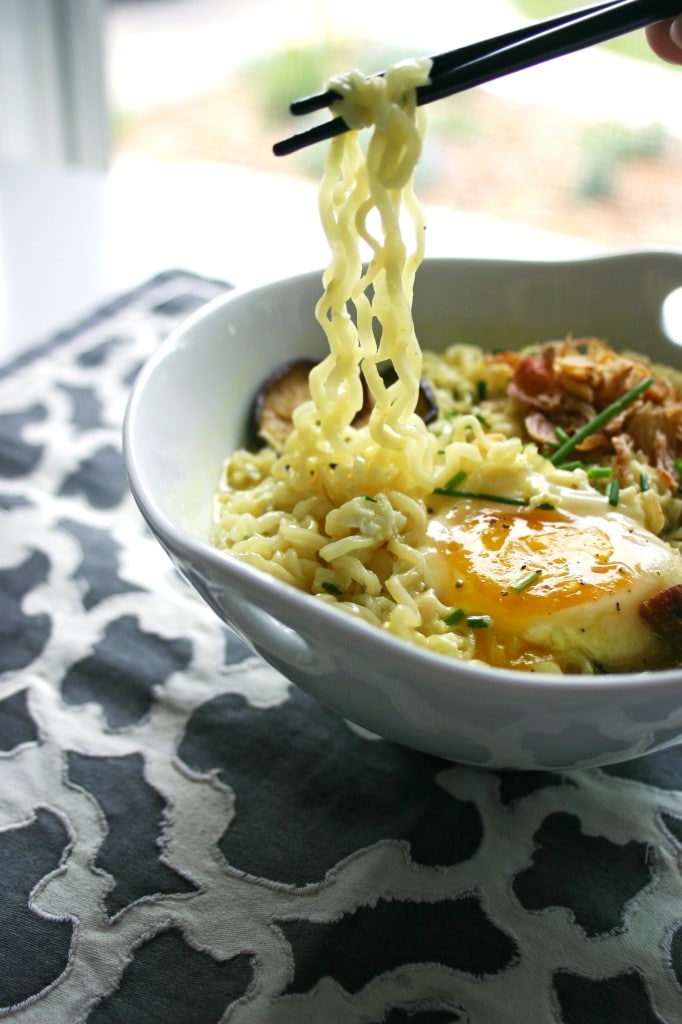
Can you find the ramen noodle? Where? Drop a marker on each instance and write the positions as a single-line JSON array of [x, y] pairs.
[[467, 536]]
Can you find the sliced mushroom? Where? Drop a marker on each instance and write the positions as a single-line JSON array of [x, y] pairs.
[[281, 392], [287, 387], [426, 403]]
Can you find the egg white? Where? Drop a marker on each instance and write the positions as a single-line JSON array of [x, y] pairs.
[[554, 584]]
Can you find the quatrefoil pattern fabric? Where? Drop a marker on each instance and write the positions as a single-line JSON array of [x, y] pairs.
[[187, 839]]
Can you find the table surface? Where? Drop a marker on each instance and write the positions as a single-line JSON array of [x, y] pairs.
[[185, 838]]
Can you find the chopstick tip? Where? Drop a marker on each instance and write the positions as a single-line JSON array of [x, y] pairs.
[[319, 133], [309, 104]]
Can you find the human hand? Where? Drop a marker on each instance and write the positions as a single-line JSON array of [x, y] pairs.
[[665, 39]]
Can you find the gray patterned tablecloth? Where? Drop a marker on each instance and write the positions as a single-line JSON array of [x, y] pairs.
[[186, 839]]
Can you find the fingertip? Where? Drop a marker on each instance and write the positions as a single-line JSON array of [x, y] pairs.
[[665, 39]]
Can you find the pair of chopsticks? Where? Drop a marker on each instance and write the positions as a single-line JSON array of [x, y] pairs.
[[481, 62]]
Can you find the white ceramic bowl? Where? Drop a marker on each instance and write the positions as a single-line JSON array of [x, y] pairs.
[[189, 407]]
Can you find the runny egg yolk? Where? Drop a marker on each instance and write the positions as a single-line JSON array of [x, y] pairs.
[[551, 584]]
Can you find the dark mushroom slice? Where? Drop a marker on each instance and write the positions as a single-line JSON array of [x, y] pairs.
[[287, 387], [281, 392], [426, 403]]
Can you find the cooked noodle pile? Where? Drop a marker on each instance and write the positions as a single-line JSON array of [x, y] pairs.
[[346, 512]]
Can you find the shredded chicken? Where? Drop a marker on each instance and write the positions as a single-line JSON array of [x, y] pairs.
[[567, 383], [663, 612]]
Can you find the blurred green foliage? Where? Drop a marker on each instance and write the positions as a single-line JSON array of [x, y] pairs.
[[290, 73], [631, 45], [606, 147]]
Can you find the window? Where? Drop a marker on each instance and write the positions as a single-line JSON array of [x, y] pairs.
[[53, 103]]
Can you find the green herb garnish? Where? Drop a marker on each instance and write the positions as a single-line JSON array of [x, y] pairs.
[[479, 621], [502, 499], [599, 472], [613, 492], [473, 621], [598, 421], [643, 482], [331, 588], [368, 497], [481, 390], [455, 481], [525, 582]]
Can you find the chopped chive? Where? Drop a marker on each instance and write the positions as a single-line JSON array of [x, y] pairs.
[[678, 464], [614, 492], [331, 588], [643, 482], [455, 617], [600, 420], [599, 472], [561, 434], [525, 582], [502, 499], [479, 621], [456, 480], [368, 497], [570, 466], [481, 390], [452, 491]]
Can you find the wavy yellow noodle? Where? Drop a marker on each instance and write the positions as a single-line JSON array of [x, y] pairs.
[[343, 512]]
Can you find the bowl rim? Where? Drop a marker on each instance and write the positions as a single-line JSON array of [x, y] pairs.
[[312, 611]]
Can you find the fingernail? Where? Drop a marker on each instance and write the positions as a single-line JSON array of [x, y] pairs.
[[676, 31]]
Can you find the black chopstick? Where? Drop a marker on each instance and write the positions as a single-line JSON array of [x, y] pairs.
[[442, 63], [594, 26], [498, 57]]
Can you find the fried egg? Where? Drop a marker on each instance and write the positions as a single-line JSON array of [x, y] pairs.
[[541, 584]]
